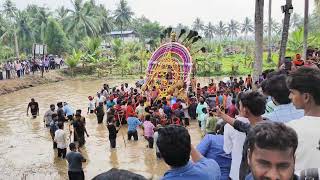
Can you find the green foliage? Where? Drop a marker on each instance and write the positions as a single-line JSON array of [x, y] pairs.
[[151, 30], [295, 41], [73, 60], [56, 38], [5, 52], [92, 49], [123, 63], [116, 48], [123, 14]]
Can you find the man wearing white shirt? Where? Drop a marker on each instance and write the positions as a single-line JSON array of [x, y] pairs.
[[233, 143], [99, 99], [304, 85], [60, 139]]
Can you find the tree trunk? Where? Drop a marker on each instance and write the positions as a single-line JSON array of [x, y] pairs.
[[16, 43], [285, 33], [269, 33], [121, 32], [305, 29], [141, 65], [258, 21]]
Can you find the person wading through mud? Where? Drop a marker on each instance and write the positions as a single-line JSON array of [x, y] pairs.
[[34, 108], [79, 126]]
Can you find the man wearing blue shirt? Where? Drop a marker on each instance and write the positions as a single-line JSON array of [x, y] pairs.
[[175, 147], [133, 123], [68, 111], [284, 111], [211, 147]]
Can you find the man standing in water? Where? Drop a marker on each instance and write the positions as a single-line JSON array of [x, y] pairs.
[[34, 108], [75, 159], [60, 112], [68, 111], [48, 115], [79, 126]]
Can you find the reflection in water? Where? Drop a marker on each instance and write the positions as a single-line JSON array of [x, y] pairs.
[[26, 146]]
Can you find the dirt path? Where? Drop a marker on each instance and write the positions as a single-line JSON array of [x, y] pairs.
[[12, 85]]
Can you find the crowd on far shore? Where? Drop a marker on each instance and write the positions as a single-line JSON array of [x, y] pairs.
[[18, 68]]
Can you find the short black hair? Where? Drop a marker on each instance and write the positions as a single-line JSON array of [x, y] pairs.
[[254, 101], [264, 86], [174, 145], [148, 117], [306, 80], [118, 174], [60, 125], [233, 101], [273, 136], [278, 89], [78, 111], [72, 146], [59, 104], [219, 129], [52, 105], [110, 119]]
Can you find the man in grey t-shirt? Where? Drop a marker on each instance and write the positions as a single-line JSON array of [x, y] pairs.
[[75, 160]]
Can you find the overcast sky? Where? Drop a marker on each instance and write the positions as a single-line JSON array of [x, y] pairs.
[[172, 12]]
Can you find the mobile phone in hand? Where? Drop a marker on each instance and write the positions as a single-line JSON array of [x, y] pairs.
[[288, 63]]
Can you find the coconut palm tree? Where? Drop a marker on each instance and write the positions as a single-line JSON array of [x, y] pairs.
[[233, 29], [104, 19], [247, 27], [269, 59], [10, 11], [305, 32], [296, 21], [123, 14], [198, 25], [257, 69], [221, 30], [41, 21], [24, 31], [80, 21], [62, 12], [209, 31], [285, 32]]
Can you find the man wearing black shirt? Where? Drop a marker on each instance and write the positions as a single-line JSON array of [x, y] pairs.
[[79, 126], [34, 108], [112, 131], [60, 112], [99, 112]]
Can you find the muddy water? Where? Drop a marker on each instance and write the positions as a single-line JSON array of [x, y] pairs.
[[26, 147]]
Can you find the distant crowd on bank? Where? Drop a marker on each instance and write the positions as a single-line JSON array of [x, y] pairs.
[[18, 68]]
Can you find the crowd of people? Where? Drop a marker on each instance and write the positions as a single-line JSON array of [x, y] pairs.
[[17, 68], [269, 132]]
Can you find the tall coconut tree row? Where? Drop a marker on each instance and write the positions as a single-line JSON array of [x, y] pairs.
[[20, 28]]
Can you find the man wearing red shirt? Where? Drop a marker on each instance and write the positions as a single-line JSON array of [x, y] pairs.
[[212, 88], [232, 111], [176, 105], [130, 112]]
